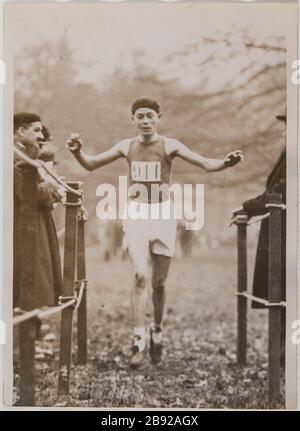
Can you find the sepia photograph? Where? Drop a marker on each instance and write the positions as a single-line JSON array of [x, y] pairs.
[[150, 205]]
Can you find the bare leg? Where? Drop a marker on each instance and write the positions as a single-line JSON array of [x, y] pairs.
[[160, 268], [138, 299], [139, 256], [138, 302]]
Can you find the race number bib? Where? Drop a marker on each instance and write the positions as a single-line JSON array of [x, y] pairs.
[[145, 171]]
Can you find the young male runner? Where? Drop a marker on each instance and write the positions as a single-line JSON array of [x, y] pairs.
[[150, 157]]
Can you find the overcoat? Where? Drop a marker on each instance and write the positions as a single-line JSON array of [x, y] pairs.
[[37, 275], [276, 183]]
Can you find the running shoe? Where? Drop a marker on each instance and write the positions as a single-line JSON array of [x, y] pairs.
[[137, 355]]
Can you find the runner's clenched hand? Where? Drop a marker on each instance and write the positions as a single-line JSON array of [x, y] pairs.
[[74, 142], [233, 158]]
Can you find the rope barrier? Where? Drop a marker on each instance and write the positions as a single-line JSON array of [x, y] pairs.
[[55, 310], [41, 314], [282, 206], [239, 219], [25, 316], [260, 300], [243, 218], [80, 286], [72, 204], [62, 183], [40, 164], [66, 300], [258, 219]]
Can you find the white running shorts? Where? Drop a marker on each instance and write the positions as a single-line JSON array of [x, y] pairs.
[[156, 231]]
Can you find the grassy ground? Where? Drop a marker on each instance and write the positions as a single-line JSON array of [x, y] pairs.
[[199, 366]]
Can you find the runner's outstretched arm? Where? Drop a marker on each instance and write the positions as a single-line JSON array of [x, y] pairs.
[[178, 149], [74, 144]]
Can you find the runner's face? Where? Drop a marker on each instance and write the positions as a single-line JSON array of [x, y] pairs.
[[146, 121]]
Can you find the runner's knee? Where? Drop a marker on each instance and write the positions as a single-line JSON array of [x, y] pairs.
[[158, 284], [140, 280]]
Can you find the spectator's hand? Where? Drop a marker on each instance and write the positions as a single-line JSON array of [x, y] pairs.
[[74, 143], [237, 212], [233, 158]]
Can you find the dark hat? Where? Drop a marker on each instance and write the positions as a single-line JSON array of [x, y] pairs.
[[145, 102], [24, 119]]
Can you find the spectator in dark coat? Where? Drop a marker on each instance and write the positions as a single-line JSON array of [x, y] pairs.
[[34, 227], [276, 183]]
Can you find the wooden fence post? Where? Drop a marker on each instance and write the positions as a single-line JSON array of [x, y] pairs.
[[242, 287], [274, 294], [28, 331], [81, 275], [72, 203]]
